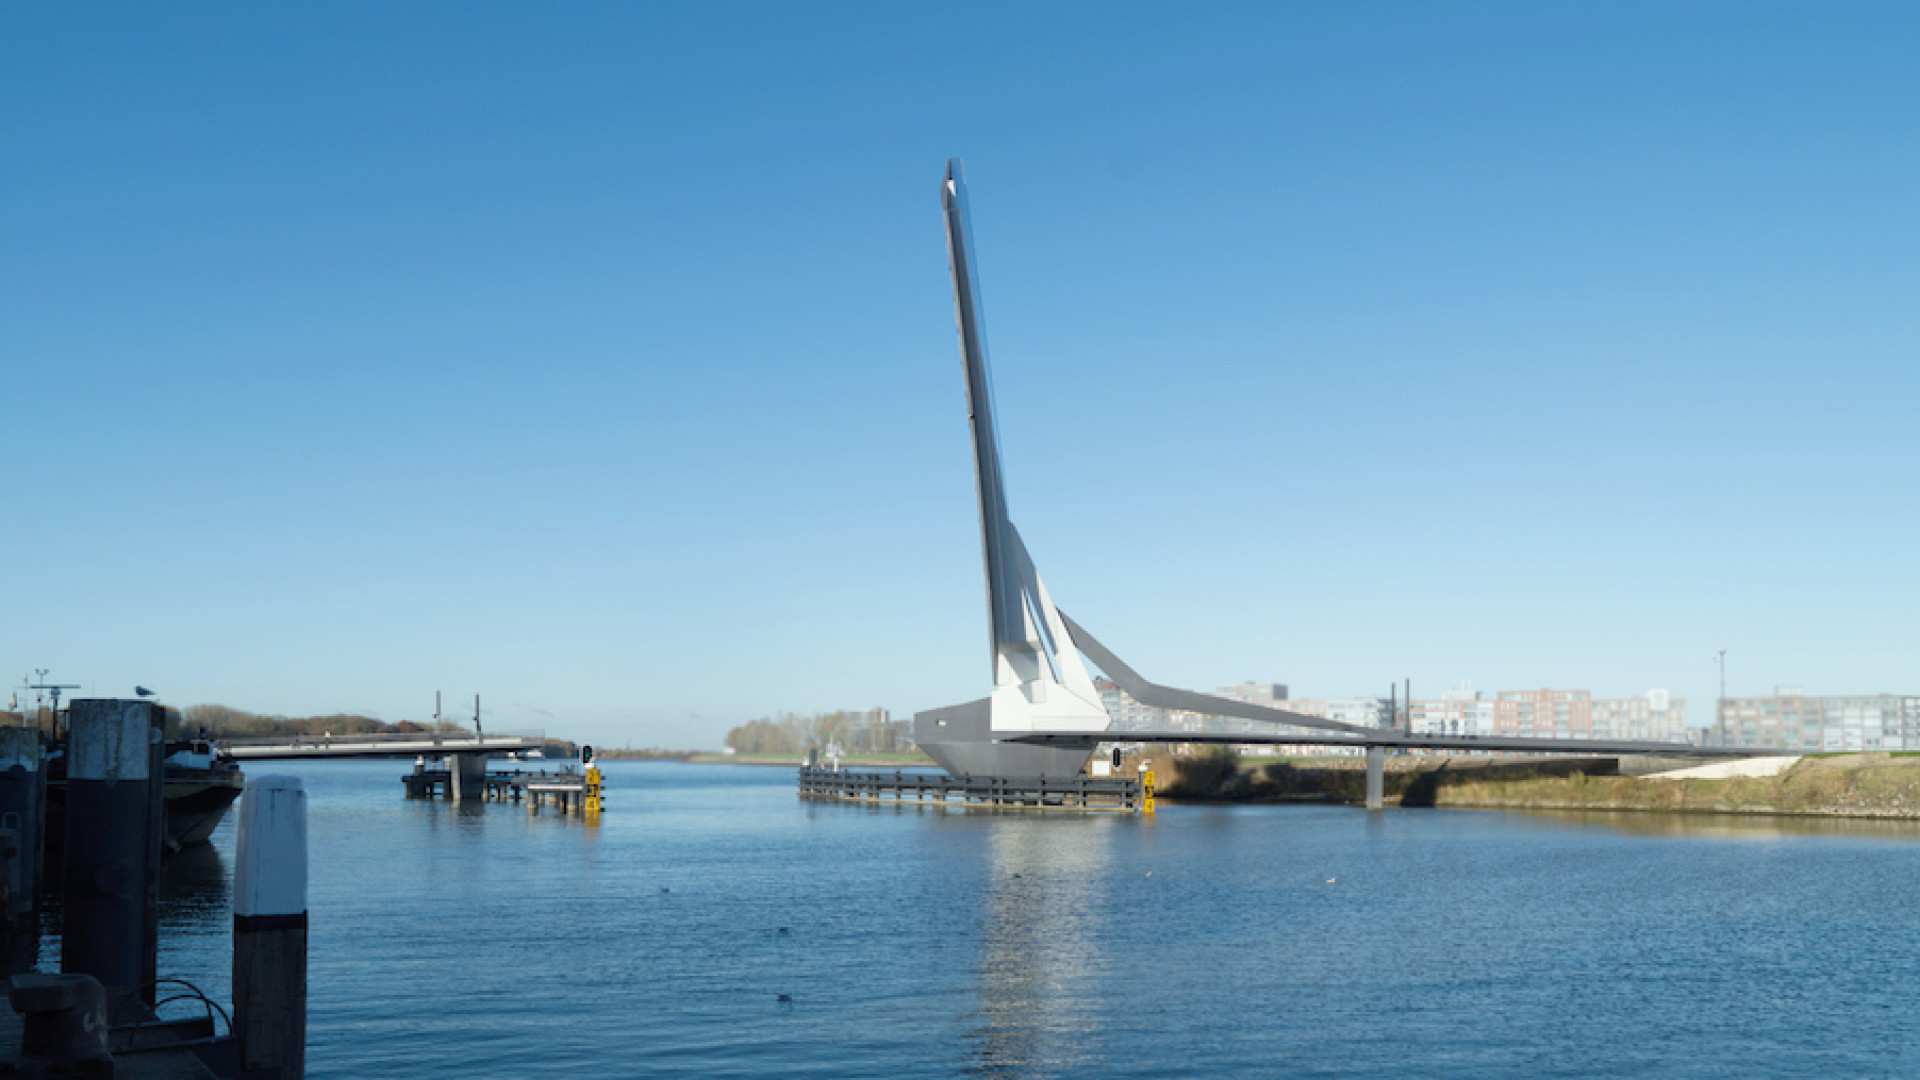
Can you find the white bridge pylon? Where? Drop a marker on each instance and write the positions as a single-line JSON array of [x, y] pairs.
[[1044, 716], [1039, 681]]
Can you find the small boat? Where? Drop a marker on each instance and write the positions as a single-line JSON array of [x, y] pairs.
[[198, 787]]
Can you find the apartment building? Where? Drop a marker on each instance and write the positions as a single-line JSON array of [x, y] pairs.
[[1793, 722], [1655, 716], [1272, 695], [1130, 715], [1126, 713], [1361, 712], [1545, 714], [1461, 712]]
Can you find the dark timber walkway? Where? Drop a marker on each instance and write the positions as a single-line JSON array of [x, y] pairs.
[[567, 790], [1120, 794]]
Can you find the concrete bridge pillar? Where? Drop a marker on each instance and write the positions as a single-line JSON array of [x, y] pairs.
[[468, 775], [1376, 777]]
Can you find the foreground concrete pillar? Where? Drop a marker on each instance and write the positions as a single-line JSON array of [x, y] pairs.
[[110, 914], [1376, 777], [270, 929], [23, 797], [469, 777]]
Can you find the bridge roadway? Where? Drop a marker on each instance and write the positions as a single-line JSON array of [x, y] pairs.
[[466, 754], [1376, 742], [405, 746], [1319, 730], [1391, 740]]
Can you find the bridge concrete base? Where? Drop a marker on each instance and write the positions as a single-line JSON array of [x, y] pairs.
[[469, 777], [1376, 777], [961, 739]]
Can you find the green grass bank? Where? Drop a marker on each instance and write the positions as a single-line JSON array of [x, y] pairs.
[[1837, 785], [850, 761]]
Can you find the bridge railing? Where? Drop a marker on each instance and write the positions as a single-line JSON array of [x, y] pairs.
[[464, 738]]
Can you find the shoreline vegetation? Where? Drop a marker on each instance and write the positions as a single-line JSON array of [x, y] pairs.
[[791, 759], [1883, 785], [856, 734], [1867, 785], [220, 721]]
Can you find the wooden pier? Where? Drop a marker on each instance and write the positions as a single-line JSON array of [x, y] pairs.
[[567, 791], [1110, 794]]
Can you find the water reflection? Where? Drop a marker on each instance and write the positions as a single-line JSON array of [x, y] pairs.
[[1041, 952], [194, 884], [1478, 945], [1731, 826], [196, 912]]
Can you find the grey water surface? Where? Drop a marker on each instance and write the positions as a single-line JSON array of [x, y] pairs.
[[477, 941]]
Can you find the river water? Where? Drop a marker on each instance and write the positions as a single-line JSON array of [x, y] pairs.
[[479, 941]]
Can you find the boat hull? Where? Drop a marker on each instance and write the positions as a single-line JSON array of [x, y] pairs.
[[196, 804], [195, 801]]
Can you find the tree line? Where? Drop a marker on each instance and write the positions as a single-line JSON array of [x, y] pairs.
[[792, 733], [221, 721]]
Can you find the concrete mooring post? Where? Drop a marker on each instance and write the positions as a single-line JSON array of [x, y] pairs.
[[270, 929], [110, 916], [23, 798], [1376, 777], [64, 1030]]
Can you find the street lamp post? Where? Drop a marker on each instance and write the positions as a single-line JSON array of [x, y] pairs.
[[1720, 706]]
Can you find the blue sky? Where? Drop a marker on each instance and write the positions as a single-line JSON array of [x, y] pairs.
[[600, 358]]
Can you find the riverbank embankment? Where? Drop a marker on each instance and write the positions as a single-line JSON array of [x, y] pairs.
[[788, 760], [1878, 785]]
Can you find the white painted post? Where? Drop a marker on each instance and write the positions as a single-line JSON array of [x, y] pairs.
[[270, 929]]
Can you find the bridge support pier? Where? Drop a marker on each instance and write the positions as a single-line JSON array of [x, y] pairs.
[[1376, 777], [467, 777]]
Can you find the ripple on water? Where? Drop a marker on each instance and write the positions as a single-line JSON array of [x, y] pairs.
[[480, 941]]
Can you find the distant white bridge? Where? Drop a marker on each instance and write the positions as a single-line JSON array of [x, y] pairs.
[[384, 745]]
